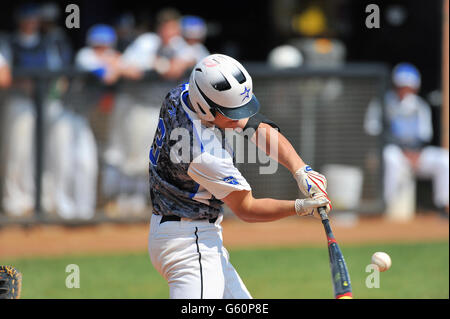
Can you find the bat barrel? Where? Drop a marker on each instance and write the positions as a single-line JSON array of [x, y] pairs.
[[339, 272]]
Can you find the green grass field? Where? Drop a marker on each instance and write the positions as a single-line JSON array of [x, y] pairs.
[[418, 271]]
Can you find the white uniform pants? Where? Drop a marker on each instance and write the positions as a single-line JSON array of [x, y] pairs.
[[19, 184], [72, 169], [191, 257], [433, 163]]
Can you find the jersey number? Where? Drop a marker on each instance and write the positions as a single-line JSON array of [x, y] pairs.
[[160, 134]]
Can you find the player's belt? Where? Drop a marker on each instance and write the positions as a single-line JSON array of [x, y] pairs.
[[173, 218]]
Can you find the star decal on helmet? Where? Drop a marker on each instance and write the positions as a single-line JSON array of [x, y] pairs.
[[246, 92]]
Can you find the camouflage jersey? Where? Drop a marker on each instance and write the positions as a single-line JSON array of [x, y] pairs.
[[191, 166]]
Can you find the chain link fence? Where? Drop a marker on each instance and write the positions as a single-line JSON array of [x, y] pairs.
[[66, 133]]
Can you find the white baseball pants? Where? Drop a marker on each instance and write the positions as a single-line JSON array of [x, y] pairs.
[[190, 255], [19, 184], [72, 168], [433, 163]]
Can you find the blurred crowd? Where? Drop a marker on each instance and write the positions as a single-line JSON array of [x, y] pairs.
[[111, 52], [73, 160]]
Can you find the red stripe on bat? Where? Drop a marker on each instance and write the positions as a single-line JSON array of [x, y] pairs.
[[331, 240], [347, 294]]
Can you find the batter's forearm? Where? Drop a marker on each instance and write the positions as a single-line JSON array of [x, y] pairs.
[[287, 156], [268, 209], [251, 209], [277, 146]]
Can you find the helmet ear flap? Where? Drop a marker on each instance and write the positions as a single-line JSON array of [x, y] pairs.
[[198, 103], [206, 115], [205, 112], [200, 106]]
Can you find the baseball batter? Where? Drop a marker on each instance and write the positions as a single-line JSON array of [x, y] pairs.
[[193, 173]]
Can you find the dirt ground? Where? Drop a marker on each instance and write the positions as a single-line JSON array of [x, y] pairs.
[[109, 238]]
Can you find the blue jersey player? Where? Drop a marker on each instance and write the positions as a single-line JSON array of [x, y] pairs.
[[193, 173]]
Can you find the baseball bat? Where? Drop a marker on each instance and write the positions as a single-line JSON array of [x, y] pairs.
[[339, 272]]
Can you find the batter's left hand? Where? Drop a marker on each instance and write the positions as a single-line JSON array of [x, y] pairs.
[[312, 184]]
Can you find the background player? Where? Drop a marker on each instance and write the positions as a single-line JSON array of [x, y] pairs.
[[188, 185], [409, 130]]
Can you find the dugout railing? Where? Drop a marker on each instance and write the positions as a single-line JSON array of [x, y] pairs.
[[320, 110]]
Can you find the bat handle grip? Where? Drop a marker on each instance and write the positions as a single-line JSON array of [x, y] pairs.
[[323, 213]]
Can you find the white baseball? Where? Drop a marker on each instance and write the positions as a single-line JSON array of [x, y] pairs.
[[382, 260]]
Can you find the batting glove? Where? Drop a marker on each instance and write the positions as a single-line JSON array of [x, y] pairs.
[[312, 184], [307, 206]]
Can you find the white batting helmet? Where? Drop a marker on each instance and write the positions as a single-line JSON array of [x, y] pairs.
[[219, 83]]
